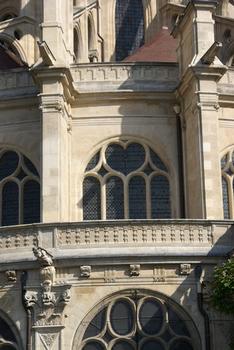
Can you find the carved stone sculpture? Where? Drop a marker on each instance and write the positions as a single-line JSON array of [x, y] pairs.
[[85, 271], [135, 270]]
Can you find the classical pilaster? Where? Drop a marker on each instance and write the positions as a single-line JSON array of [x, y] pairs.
[[55, 85]]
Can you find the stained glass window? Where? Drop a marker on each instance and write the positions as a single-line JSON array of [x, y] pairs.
[[160, 197], [114, 198], [126, 169], [18, 175], [139, 321], [137, 198], [129, 27], [91, 199]]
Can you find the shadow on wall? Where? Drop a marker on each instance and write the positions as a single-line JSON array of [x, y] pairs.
[[195, 292]]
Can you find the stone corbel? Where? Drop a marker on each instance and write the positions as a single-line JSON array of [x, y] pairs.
[[211, 54], [47, 56], [134, 270]]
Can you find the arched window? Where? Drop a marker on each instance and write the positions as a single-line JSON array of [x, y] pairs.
[[19, 189], [129, 27], [138, 320], [126, 180], [227, 170]]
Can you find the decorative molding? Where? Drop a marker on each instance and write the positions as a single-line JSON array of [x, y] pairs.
[[109, 275], [48, 339], [134, 234], [170, 237], [18, 238]]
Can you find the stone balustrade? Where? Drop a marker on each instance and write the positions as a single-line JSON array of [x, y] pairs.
[[106, 238], [17, 83]]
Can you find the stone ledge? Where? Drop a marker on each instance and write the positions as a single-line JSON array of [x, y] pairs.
[[118, 238]]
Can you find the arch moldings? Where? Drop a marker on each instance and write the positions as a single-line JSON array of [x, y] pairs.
[[139, 294]]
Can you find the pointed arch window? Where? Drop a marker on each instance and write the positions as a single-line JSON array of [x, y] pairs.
[[129, 27], [227, 171], [19, 189], [126, 180]]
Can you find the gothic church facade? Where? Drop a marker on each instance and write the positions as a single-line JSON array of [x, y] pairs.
[[116, 173]]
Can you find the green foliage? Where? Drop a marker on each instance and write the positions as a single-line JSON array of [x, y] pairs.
[[223, 287]]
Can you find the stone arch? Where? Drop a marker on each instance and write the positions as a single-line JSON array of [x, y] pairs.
[[78, 43], [8, 13], [9, 334], [136, 298], [14, 46], [91, 36]]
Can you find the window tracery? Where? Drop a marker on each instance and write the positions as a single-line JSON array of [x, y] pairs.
[[227, 170], [19, 189], [138, 320], [126, 180]]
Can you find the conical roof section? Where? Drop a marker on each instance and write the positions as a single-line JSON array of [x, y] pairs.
[[161, 49]]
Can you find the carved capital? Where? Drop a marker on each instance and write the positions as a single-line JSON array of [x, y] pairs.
[[48, 303]]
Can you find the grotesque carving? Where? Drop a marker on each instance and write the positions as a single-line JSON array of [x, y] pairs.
[[85, 271], [49, 300], [135, 270], [43, 257], [185, 269], [11, 275]]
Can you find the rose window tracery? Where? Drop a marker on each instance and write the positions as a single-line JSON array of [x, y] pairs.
[[138, 321]]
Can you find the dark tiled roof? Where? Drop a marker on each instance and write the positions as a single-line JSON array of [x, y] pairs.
[[161, 49], [8, 59]]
